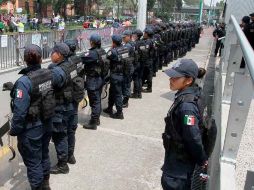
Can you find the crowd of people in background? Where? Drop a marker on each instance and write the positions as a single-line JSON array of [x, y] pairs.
[[17, 23], [22, 22]]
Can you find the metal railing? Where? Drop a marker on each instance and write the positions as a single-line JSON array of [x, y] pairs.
[[233, 95], [12, 46]]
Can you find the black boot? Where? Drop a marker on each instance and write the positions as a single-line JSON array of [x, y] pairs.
[[93, 123], [37, 188], [71, 159], [117, 115], [108, 110], [147, 90], [125, 102], [139, 95], [134, 95], [60, 168], [45, 183]]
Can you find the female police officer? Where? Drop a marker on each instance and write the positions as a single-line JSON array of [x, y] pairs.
[[182, 137], [33, 105]]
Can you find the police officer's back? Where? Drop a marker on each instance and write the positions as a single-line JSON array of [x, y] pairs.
[[33, 105], [129, 69], [148, 59], [138, 70], [64, 74], [73, 58], [95, 63], [118, 57], [182, 136]]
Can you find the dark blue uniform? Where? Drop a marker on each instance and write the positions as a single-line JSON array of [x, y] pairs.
[[148, 65], [182, 141], [128, 77], [116, 81], [64, 120], [94, 81], [138, 72], [33, 136]]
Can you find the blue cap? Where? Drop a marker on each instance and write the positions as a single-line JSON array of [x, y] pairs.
[[32, 49], [95, 38], [252, 14], [127, 33], [138, 32], [117, 39], [183, 68], [61, 48], [149, 31]]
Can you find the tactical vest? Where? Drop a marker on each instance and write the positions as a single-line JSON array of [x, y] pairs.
[[124, 61], [103, 63], [143, 50], [73, 89], [93, 69], [43, 103], [75, 59]]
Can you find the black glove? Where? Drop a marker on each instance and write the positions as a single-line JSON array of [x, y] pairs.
[[7, 86]]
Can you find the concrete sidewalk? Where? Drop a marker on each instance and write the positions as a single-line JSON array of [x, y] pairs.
[[122, 154]]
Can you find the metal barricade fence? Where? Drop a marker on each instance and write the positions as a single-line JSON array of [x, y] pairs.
[[232, 99], [12, 46]]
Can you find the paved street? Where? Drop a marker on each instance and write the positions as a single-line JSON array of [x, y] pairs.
[[122, 154]]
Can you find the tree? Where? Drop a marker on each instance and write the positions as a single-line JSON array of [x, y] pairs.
[[166, 7], [192, 2], [150, 4], [179, 4]]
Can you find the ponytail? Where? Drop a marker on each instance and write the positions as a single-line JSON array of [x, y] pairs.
[[201, 73]]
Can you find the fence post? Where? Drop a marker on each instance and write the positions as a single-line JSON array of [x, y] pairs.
[[17, 49]]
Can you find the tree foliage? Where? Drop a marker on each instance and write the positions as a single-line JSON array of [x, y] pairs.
[[150, 4], [192, 2]]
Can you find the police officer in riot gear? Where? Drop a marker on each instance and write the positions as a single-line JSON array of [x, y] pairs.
[[33, 105], [118, 57], [70, 91], [93, 61], [128, 73], [182, 136], [138, 67], [159, 50], [71, 128], [147, 60]]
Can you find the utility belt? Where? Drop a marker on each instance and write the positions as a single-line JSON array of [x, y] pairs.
[[93, 74], [176, 147]]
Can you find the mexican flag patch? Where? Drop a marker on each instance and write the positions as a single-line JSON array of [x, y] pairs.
[[19, 93], [189, 120]]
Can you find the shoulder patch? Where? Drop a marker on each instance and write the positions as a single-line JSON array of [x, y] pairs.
[[189, 120], [19, 93]]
